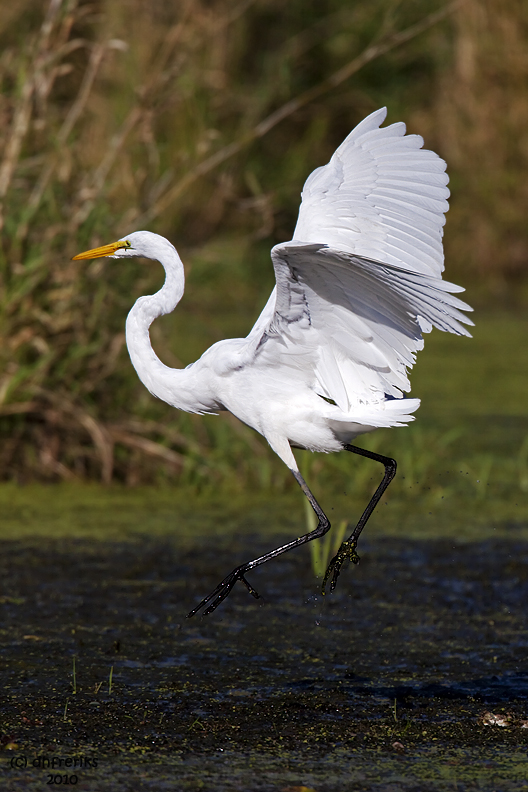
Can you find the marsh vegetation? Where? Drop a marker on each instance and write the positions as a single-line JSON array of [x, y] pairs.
[[201, 121]]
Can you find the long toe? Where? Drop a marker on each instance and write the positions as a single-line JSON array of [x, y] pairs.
[[347, 552], [222, 591], [217, 596], [333, 570]]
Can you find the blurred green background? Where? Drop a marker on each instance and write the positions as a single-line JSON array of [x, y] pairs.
[[201, 120]]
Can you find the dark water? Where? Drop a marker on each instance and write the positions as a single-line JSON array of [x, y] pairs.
[[412, 676]]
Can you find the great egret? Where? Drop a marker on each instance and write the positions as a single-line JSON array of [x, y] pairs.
[[327, 359]]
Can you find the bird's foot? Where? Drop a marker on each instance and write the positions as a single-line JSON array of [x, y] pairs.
[[347, 552], [223, 590]]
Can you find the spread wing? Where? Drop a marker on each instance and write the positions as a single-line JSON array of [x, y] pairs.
[[361, 280]]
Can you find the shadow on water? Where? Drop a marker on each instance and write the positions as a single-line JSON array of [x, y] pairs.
[[413, 675]]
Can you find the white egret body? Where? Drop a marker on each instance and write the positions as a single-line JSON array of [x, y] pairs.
[[327, 359]]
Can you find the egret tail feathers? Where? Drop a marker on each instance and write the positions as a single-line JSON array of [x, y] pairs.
[[366, 418]]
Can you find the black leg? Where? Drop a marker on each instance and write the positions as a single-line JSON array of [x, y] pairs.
[[347, 551], [223, 589]]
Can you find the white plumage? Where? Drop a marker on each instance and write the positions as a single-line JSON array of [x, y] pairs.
[[356, 287]]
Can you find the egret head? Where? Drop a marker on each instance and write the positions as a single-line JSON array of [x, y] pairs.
[[139, 243]]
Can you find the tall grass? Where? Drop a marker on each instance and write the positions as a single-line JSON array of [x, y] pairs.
[[481, 116], [199, 120]]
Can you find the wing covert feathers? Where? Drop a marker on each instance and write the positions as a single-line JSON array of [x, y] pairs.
[[365, 319]]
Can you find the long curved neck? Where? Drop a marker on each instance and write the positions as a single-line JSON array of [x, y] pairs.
[[178, 387]]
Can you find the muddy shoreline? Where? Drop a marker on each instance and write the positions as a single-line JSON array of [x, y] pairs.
[[413, 675]]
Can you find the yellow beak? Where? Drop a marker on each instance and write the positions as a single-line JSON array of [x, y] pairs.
[[104, 250]]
